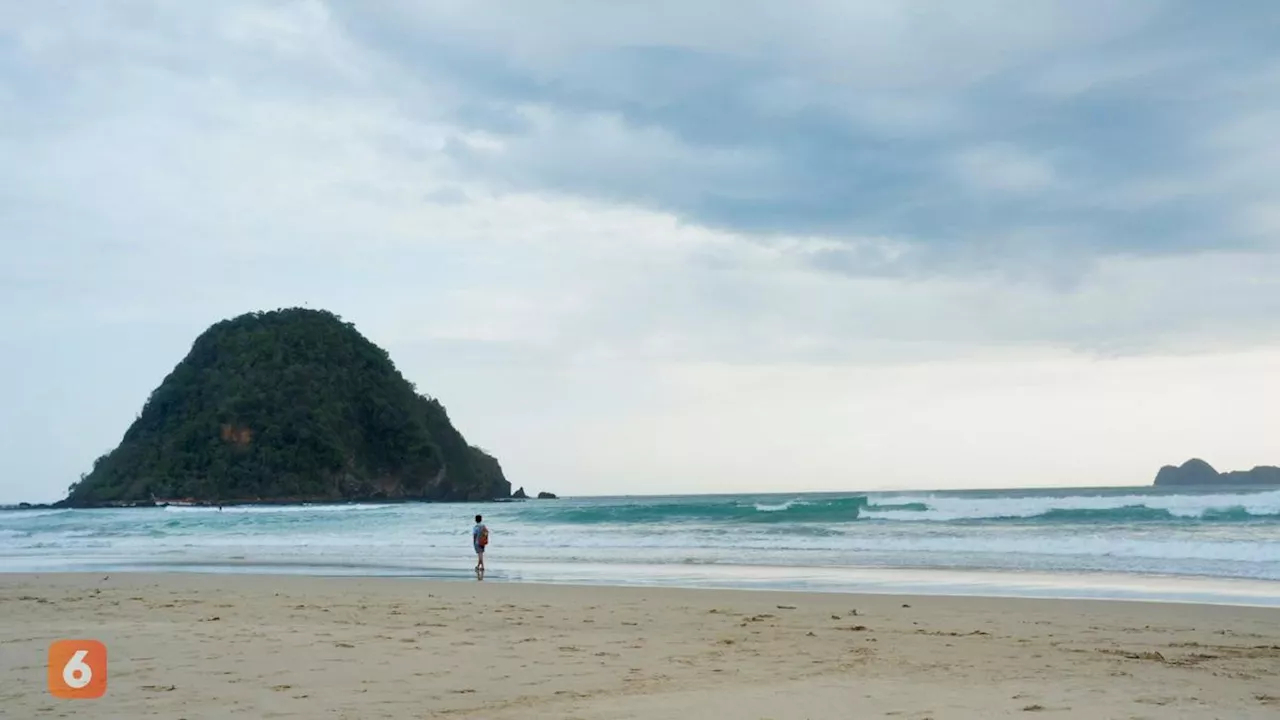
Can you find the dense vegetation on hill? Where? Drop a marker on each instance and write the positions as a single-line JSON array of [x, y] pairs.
[[1198, 473], [289, 405]]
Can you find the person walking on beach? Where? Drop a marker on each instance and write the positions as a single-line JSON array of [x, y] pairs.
[[479, 539]]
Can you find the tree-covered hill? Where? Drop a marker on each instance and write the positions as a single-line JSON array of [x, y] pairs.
[[289, 405]]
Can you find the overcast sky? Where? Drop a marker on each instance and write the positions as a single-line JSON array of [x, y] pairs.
[[654, 247]]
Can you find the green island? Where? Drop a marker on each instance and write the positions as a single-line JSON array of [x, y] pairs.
[[288, 406]]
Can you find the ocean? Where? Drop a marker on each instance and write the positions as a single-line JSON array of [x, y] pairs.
[[1140, 543]]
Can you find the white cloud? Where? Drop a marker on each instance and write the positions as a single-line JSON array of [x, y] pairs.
[[1004, 168], [567, 150]]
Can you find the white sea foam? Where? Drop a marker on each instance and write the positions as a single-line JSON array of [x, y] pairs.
[[353, 507], [21, 515], [763, 507]]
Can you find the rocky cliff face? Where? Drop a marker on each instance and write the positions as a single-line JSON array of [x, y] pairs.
[[291, 405], [1198, 473]]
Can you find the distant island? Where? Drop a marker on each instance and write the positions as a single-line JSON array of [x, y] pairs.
[[521, 495], [1198, 473], [288, 406]]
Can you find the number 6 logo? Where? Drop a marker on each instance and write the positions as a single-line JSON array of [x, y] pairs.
[[77, 669], [75, 673]]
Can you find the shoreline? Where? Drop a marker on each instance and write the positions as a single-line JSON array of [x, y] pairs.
[[819, 580], [213, 579], [214, 645]]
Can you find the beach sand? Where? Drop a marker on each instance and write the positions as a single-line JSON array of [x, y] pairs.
[[256, 646]]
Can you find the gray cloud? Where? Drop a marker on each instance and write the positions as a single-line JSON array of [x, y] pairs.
[[556, 191], [1007, 144], [944, 130]]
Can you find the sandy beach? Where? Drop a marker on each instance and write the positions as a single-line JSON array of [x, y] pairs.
[[255, 646]]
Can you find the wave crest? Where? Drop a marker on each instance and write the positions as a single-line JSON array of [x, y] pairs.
[[1218, 507], [937, 508]]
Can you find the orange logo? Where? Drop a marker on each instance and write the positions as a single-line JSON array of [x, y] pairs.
[[78, 669]]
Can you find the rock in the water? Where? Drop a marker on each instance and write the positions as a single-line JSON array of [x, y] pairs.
[[519, 495], [547, 496], [1192, 472]]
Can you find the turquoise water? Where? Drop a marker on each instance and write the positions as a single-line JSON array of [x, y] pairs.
[[1097, 538]]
